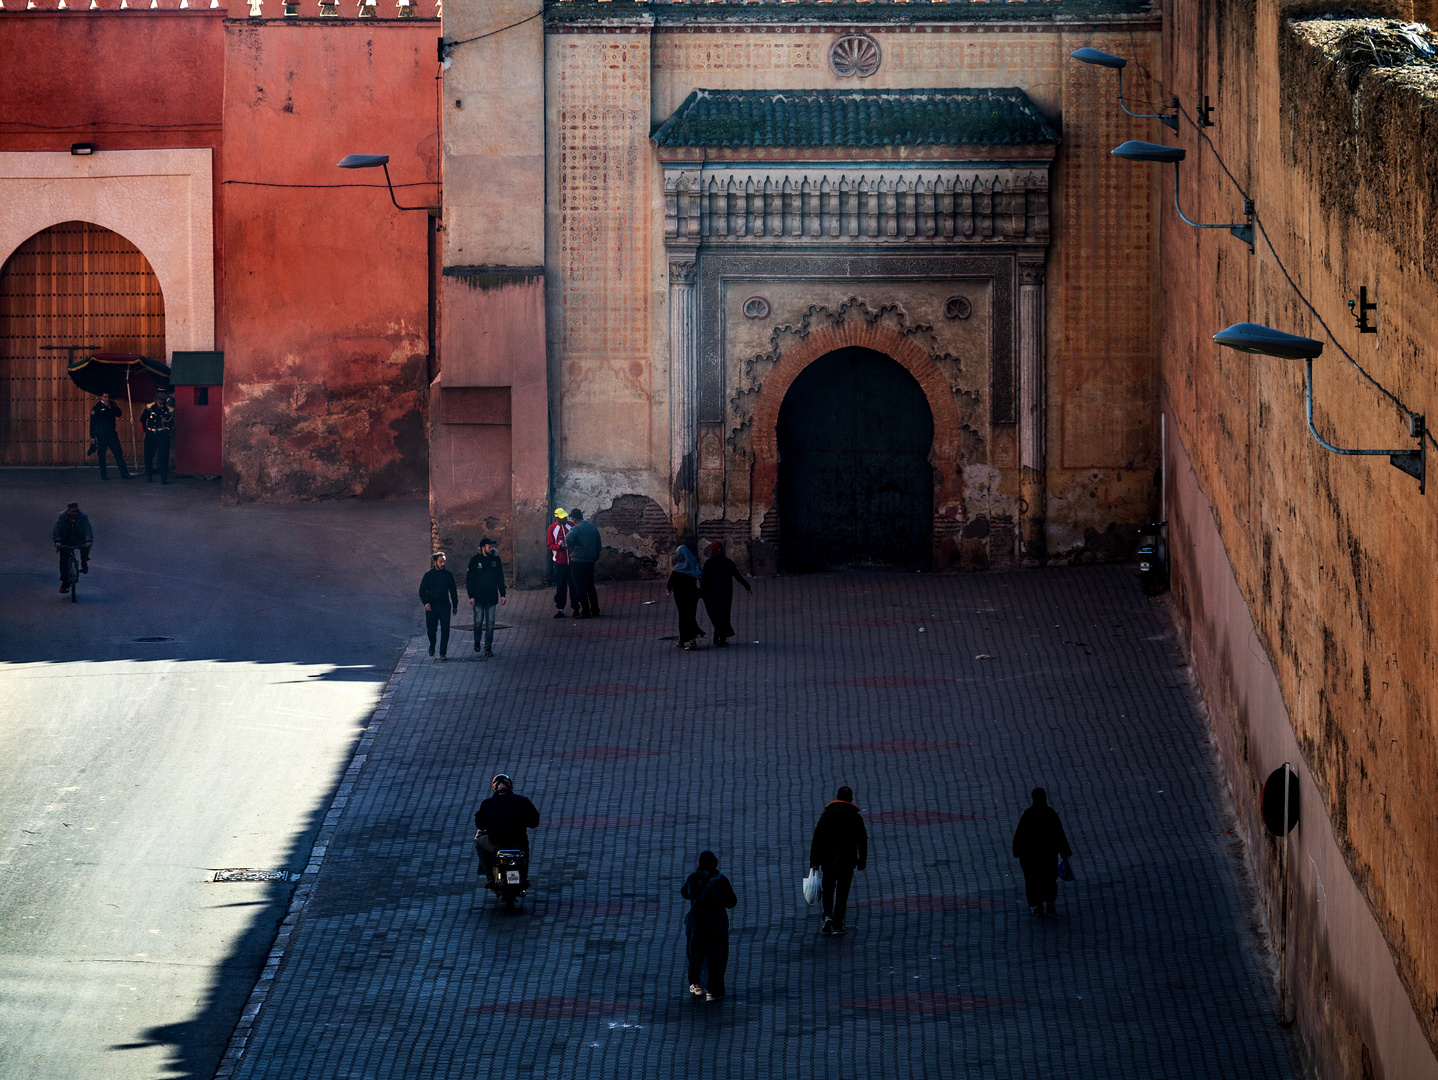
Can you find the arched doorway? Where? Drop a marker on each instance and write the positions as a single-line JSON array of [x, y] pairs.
[[855, 483], [75, 287]]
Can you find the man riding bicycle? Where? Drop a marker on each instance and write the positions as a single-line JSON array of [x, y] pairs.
[[72, 533]]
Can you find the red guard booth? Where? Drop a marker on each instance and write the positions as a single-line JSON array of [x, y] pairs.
[[197, 380]]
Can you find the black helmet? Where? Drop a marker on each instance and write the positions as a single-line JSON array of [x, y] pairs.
[[502, 781]]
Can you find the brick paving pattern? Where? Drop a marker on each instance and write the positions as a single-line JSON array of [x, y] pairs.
[[941, 700]]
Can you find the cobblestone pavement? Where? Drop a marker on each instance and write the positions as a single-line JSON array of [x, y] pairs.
[[941, 700]]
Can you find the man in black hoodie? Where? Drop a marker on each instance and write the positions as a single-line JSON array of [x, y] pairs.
[[840, 844], [438, 594], [484, 582]]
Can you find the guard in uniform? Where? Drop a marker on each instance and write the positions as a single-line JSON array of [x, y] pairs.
[[103, 436], [158, 420]]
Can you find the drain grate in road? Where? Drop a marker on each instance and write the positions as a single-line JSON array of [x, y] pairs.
[[243, 874], [150, 640]]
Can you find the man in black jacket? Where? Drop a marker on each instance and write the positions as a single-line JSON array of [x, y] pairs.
[[485, 584], [585, 545], [103, 436], [72, 530], [840, 844], [1039, 843], [438, 594], [502, 823]]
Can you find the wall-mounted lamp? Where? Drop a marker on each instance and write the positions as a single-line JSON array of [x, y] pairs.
[[1253, 338], [381, 161], [82, 149], [1143, 151], [1118, 63]]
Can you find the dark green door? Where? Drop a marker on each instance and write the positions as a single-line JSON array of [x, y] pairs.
[[855, 485]]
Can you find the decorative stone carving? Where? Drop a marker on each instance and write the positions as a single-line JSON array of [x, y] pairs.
[[756, 307], [855, 55], [1032, 378], [958, 307], [683, 380], [682, 270], [1031, 273], [849, 204]]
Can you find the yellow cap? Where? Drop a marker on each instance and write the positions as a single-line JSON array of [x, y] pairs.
[[561, 513]]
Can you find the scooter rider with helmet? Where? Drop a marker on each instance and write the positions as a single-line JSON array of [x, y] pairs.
[[503, 822]]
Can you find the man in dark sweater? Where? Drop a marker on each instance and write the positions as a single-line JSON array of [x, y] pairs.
[[485, 584], [438, 594], [840, 844], [584, 545], [103, 437]]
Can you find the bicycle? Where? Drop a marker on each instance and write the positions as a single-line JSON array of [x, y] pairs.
[[72, 573]]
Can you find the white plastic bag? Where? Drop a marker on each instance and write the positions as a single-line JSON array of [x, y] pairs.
[[813, 886]]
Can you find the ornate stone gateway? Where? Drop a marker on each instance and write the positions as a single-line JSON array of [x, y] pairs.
[[911, 223]]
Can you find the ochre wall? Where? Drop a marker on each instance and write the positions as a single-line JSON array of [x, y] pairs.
[[608, 268], [1332, 555], [325, 300]]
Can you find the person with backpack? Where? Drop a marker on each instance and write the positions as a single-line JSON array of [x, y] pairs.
[[706, 927]]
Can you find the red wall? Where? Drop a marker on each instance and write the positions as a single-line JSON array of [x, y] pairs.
[[325, 302]]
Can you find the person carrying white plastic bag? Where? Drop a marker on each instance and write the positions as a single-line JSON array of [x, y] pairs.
[[813, 886]]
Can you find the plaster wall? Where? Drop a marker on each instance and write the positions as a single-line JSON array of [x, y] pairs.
[[1331, 555], [326, 284], [608, 271]]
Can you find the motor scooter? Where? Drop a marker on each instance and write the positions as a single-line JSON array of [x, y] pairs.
[[508, 877], [1152, 556]]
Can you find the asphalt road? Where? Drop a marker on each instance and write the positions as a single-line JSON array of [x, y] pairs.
[[134, 768]]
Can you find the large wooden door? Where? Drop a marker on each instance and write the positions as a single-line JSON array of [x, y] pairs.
[[855, 484], [75, 284]]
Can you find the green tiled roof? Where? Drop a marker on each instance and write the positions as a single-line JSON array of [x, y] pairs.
[[855, 119]]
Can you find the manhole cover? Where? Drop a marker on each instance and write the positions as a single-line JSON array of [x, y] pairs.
[[240, 874], [150, 640]]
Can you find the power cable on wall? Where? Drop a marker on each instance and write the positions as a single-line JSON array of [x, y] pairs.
[[443, 44]]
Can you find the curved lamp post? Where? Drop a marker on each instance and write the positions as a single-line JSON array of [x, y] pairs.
[[1264, 340], [1118, 63], [380, 161], [1145, 151]]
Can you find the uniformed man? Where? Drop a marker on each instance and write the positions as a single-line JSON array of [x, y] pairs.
[[103, 436], [158, 420]]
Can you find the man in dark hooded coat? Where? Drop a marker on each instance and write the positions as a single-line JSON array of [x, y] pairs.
[[706, 927], [1039, 842], [717, 589]]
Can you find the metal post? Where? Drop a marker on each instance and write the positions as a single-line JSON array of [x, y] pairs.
[[1283, 909]]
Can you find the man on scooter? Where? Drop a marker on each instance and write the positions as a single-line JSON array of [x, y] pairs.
[[503, 820]]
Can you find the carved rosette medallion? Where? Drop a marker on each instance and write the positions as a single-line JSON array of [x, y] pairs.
[[855, 55], [958, 307], [756, 307]]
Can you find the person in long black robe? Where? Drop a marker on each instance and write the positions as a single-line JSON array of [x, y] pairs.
[[706, 927], [683, 585], [1039, 841], [717, 589]]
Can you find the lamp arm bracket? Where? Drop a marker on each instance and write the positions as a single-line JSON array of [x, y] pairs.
[[1167, 120], [1412, 462], [1201, 225], [392, 199]]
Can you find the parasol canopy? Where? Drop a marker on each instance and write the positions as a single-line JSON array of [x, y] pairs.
[[121, 375]]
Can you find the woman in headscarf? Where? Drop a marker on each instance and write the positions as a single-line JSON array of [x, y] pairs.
[[717, 588], [1039, 843], [706, 927], [684, 587]]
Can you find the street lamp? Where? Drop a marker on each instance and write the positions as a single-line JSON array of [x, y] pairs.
[[1118, 63], [381, 161], [1264, 340], [1145, 151]]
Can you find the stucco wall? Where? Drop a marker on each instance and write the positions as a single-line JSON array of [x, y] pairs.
[[608, 268], [1332, 555], [325, 302]]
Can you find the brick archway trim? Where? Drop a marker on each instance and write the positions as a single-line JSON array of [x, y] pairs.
[[948, 479]]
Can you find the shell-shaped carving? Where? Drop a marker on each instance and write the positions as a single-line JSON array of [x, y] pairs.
[[855, 55]]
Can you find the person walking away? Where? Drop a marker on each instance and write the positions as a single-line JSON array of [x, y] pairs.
[[485, 584], [559, 563], [158, 420], [706, 927], [103, 436], [840, 845], [717, 589], [683, 585], [439, 595], [502, 823], [72, 530], [584, 545], [1039, 843]]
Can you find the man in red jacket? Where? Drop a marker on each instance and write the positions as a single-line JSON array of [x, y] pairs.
[[841, 844], [559, 560]]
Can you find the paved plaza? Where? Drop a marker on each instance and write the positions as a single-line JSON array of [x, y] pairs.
[[941, 699]]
